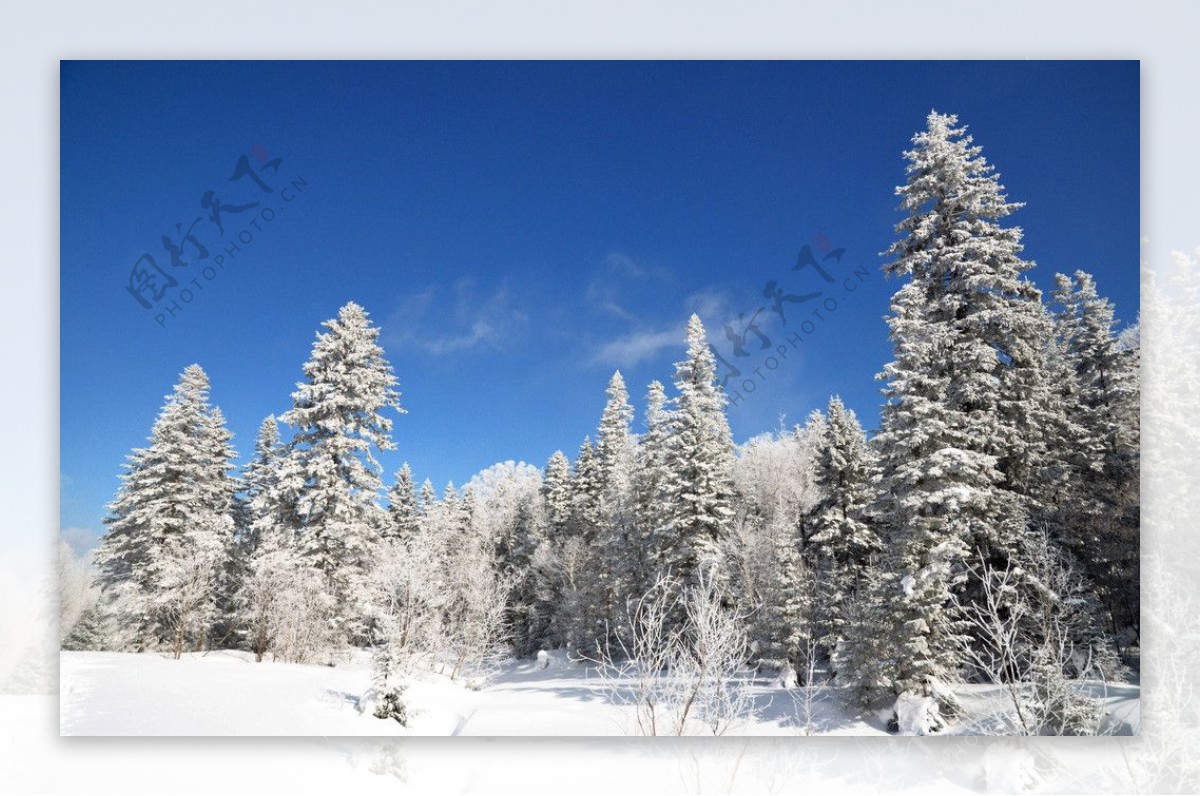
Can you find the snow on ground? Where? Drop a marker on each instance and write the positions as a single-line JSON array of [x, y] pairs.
[[217, 693], [227, 693]]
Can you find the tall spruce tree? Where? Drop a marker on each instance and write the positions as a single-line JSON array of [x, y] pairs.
[[339, 421], [964, 329], [1101, 523], [616, 449], [268, 546], [700, 492], [845, 541], [224, 503], [170, 527]]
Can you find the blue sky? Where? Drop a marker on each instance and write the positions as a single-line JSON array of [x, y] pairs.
[[519, 230]]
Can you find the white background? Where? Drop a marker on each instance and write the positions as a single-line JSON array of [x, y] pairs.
[[34, 37]]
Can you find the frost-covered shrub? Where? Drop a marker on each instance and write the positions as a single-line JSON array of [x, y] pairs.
[[916, 714], [682, 678]]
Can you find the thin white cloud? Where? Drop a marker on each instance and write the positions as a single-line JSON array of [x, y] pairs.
[[602, 296], [445, 320], [617, 270], [633, 348], [712, 306], [642, 344], [623, 263], [481, 333]]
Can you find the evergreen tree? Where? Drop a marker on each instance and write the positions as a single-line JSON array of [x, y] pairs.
[[467, 509], [170, 526], [1101, 522], [223, 502], [402, 507], [272, 568], [616, 556], [458, 507], [652, 476], [550, 577], [845, 542], [528, 620], [580, 620], [700, 492], [260, 478], [793, 604], [961, 328], [585, 494], [338, 418], [1059, 473], [428, 496], [273, 481], [556, 495]]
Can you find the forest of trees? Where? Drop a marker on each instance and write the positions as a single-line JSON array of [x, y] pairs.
[[989, 531]]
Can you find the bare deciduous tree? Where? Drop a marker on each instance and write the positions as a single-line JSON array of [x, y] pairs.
[[682, 678], [1032, 630], [77, 592]]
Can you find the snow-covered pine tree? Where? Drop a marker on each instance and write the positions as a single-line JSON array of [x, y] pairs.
[[444, 531], [267, 448], [170, 525], [556, 495], [864, 662], [1065, 456], [403, 510], [428, 497], [616, 555], [926, 505], [259, 477], [468, 509], [845, 542], [579, 622], [960, 327], [1101, 522], [338, 417], [550, 577], [282, 608], [651, 508], [810, 435], [459, 506], [585, 493], [528, 618], [223, 488], [445, 526], [700, 493]]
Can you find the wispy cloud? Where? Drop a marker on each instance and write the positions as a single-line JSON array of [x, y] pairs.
[[633, 348], [641, 344], [712, 305], [441, 319], [616, 271]]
